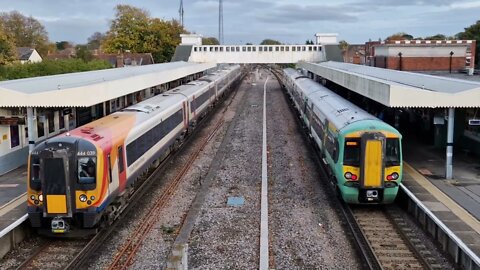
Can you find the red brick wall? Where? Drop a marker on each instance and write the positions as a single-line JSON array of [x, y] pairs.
[[421, 63]]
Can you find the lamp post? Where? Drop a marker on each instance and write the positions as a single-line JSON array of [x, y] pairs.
[[451, 55], [400, 63]]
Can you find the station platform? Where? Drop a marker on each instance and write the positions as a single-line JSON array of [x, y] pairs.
[[13, 187], [455, 202]]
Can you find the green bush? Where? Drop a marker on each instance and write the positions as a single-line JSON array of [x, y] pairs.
[[49, 67]]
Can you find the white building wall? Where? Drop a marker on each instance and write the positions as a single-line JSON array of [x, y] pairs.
[[35, 57], [421, 51]]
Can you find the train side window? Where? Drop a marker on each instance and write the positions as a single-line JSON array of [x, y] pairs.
[[121, 164], [87, 170], [35, 173], [392, 155], [110, 168], [351, 154]]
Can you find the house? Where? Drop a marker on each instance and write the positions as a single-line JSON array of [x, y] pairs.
[[28, 55], [354, 54], [67, 53]]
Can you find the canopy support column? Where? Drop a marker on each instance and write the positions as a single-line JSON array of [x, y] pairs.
[[451, 120]]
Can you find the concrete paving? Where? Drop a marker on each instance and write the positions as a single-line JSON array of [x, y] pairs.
[[13, 200]]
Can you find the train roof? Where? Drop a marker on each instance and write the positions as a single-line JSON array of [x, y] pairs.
[[339, 111], [117, 125]]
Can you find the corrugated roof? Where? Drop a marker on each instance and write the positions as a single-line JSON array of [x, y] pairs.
[[83, 89], [399, 88]]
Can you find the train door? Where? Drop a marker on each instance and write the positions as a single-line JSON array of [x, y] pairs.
[[372, 166], [55, 173]]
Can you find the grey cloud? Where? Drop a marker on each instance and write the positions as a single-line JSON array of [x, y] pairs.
[[297, 13]]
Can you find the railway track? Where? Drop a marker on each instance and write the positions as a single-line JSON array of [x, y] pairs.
[[386, 241], [127, 252], [74, 253], [54, 254]]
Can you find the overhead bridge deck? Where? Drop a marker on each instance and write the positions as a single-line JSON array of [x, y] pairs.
[[257, 54]]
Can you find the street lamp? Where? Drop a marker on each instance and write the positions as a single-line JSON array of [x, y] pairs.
[[451, 55], [400, 63]]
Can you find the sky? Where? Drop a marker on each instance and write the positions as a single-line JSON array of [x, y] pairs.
[[251, 21]]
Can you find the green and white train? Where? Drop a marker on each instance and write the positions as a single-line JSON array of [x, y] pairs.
[[362, 154]]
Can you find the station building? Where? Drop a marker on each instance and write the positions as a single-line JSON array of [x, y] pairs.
[[422, 55]]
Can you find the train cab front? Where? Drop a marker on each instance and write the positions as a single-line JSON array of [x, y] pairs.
[[372, 168], [62, 171]]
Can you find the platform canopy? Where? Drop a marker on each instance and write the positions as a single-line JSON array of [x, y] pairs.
[[84, 89], [395, 88]]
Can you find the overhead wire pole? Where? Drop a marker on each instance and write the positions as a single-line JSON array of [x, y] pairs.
[[220, 21]]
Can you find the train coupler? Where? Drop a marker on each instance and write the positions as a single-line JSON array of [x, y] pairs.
[[59, 225]]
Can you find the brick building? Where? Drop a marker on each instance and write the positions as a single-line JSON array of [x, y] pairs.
[[422, 55]]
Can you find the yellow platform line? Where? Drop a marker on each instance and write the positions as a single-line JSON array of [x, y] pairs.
[[459, 211]]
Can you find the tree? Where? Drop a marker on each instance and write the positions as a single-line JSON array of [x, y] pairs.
[[473, 33], [127, 30], [270, 42], [62, 45], [343, 45], [400, 36], [210, 41], [7, 48], [436, 37], [309, 42], [25, 31], [96, 40], [135, 31], [82, 52]]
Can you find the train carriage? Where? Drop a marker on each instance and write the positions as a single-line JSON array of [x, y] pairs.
[[362, 154], [86, 176]]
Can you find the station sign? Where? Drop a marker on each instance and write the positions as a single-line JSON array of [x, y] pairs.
[[12, 121]]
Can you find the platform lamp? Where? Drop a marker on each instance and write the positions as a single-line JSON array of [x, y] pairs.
[[451, 55]]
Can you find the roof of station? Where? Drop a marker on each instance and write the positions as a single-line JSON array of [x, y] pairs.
[[395, 88], [84, 89]]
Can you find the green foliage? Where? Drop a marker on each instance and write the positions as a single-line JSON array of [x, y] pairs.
[[473, 33], [309, 42], [83, 53], [400, 36], [133, 30], [210, 41], [25, 31], [270, 42], [7, 48], [49, 67], [343, 45], [62, 45]]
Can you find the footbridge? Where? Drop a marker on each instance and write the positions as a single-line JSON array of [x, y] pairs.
[[257, 54]]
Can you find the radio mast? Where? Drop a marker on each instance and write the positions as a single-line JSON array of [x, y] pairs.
[[180, 12], [220, 21]]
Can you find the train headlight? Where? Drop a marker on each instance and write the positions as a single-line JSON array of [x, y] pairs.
[[348, 175], [92, 198], [395, 176], [32, 197], [40, 197], [83, 198]]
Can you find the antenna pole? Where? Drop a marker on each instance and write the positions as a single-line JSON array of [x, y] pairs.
[[220, 21], [180, 12]]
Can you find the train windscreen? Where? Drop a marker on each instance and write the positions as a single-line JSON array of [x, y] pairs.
[[392, 154], [351, 155], [87, 170]]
